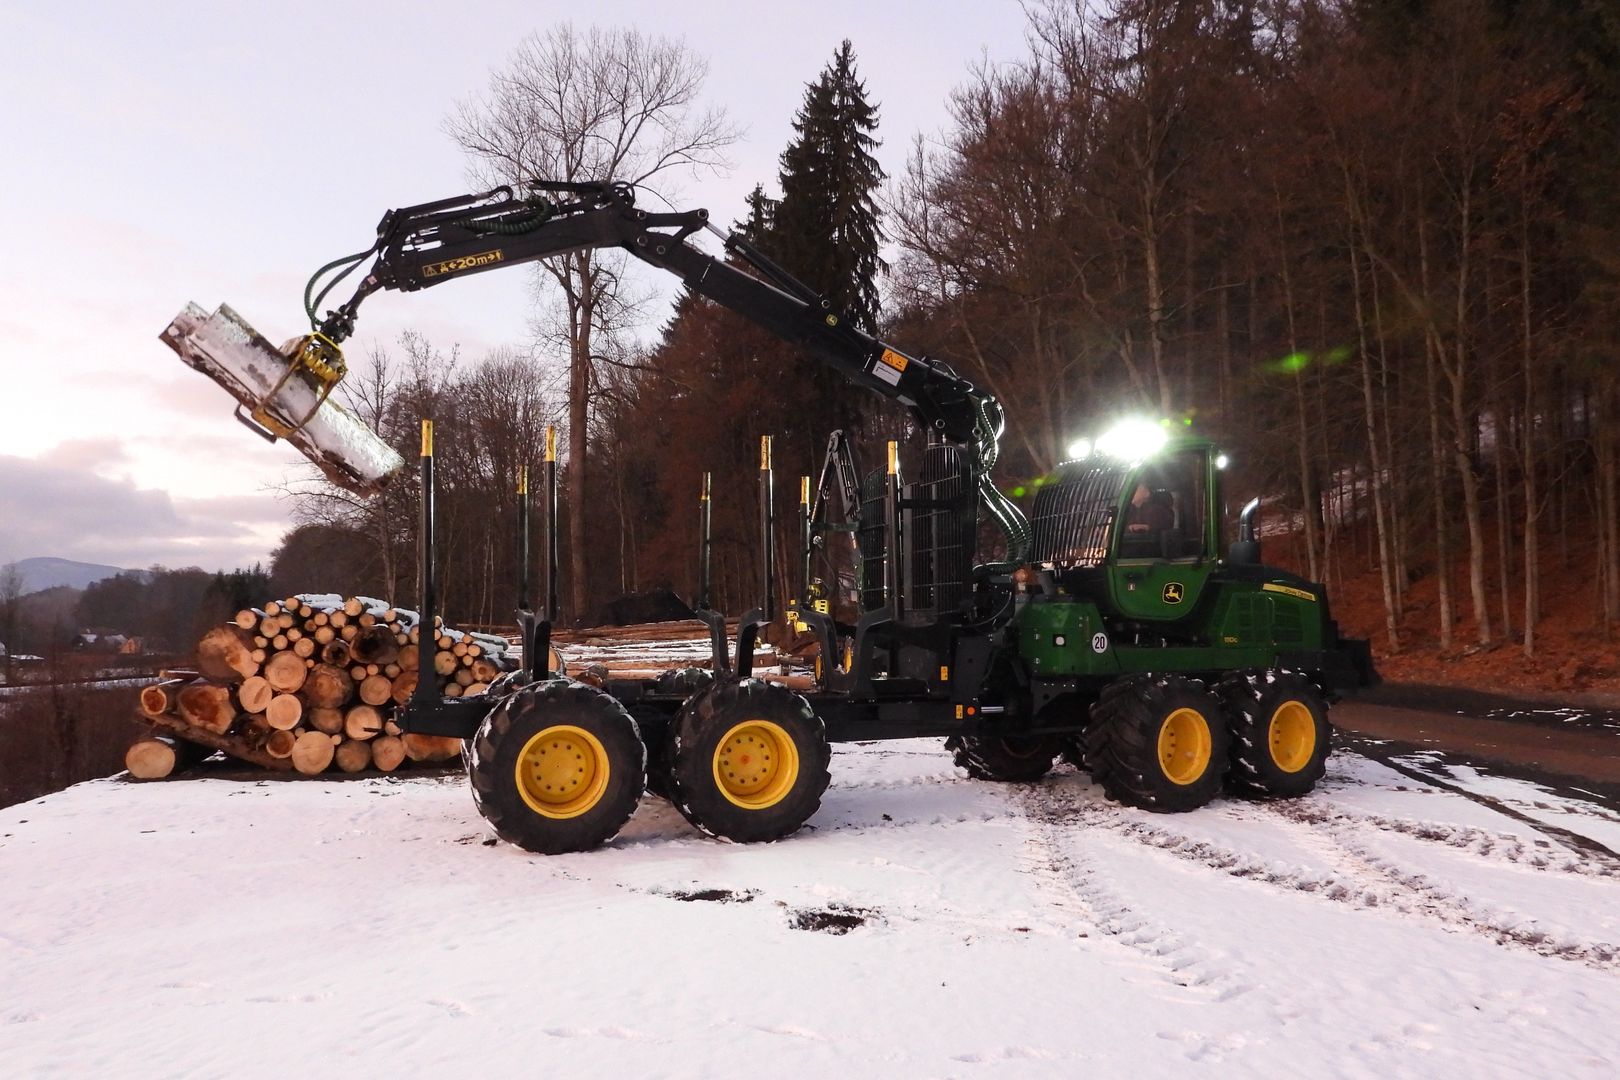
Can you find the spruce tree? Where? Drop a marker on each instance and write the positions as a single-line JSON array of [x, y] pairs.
[[826, 228]]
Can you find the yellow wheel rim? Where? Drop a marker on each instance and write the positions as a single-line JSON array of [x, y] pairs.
[[756, 764], [1292, 736], [562, 771], [1184, 746]]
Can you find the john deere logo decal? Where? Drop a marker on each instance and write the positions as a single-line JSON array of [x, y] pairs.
[[1173, 592]]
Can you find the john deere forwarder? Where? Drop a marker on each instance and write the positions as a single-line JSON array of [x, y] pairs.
[[1113, 632]]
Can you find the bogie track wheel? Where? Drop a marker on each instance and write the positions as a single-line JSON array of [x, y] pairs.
[[557, 766], [749, 761], [1008, 758], [1280, 734], [1158, 743]]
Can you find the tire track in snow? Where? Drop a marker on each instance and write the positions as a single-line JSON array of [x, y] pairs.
[[1491, 846], [1074, 883], [1428, 897], [1359, 879]]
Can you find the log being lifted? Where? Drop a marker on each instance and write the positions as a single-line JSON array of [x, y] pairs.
[[237, 357], [156, 756]]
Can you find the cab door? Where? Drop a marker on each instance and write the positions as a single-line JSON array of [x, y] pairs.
[[1163, 547]]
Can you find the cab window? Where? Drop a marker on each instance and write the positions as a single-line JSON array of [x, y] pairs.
[[1164, 518]]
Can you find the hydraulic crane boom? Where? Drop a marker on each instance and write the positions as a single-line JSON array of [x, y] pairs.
[[421, 246]]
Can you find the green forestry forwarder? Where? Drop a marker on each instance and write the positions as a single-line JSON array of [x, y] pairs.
[[1115, 632]]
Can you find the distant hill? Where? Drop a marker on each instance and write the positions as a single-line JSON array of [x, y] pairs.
[[48, 573]]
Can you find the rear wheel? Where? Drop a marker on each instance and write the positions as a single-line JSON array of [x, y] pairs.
[[557, 767], [1158, 743], [1011, 758], [749, 761], [1280, 734]]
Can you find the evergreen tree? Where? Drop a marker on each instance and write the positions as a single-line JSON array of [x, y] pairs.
[[826, 228]]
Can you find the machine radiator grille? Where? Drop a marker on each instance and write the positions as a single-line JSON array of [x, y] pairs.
[[1074, 513], [941, 535]]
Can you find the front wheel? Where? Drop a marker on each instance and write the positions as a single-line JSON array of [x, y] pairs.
[[1158, 743], [749, 761], [557, 766]]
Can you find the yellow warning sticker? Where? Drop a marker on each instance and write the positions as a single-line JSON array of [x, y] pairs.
[[1299, 594], [889, 366]]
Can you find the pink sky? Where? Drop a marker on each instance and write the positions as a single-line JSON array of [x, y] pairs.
[[163, 153]]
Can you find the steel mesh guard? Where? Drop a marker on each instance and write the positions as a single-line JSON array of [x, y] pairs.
[[1074, 513], [943, 532]]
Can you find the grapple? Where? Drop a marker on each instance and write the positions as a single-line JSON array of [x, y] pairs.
[[285, 394]]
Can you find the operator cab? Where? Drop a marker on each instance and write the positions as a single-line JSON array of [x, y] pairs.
[[1135, 526]]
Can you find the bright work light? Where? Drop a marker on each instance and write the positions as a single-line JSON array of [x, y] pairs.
[[1222, 461], [1080, 449], [1132, 440]]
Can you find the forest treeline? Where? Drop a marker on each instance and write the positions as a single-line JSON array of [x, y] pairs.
[[1371, 246]]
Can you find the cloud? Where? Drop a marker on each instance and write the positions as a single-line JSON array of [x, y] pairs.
[[63, 508]]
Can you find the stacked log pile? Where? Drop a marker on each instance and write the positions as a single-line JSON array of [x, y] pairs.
[[311, 683]]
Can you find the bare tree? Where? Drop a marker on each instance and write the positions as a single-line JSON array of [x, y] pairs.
[[598, 105], [11, 590]]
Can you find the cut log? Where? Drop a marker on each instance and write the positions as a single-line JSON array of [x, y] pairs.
[[324, 635], [161, 697], [387, 752], [402, 687], [294, 635], [358, 673], [352, 756], [376, 689], [374, 645], [391, 728], [452, 689], [362, 722], [254, 694], [226, 652], [464, 677], [279, 642], [475, 688], [326, 720], [391, 671], [431, 747], [285, 672], [328, 687], [304, 648], [284, 712], [312, 752], [249, 618], [157, 756], [335, 653], [280, 744], [445, 663], [409, 659], [207, 705], [484, 671]]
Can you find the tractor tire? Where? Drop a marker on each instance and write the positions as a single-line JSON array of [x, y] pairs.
[[684, 682], [1280, 734], [1007, 758], [557, 766], [504, 686], [1158, 743], [749, 761]]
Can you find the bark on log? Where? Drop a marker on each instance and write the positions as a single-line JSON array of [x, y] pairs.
[[156, 756], [352, 756], [226, 652], [431, 747], [284, 712], [312, 752], [362, 722], [285, 672], [254, 694], [207, 705], [387, 752]]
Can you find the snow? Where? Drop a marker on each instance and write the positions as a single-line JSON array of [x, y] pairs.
[[1380, 927]]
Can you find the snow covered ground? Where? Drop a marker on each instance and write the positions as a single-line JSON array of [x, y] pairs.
[[926, 925]]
